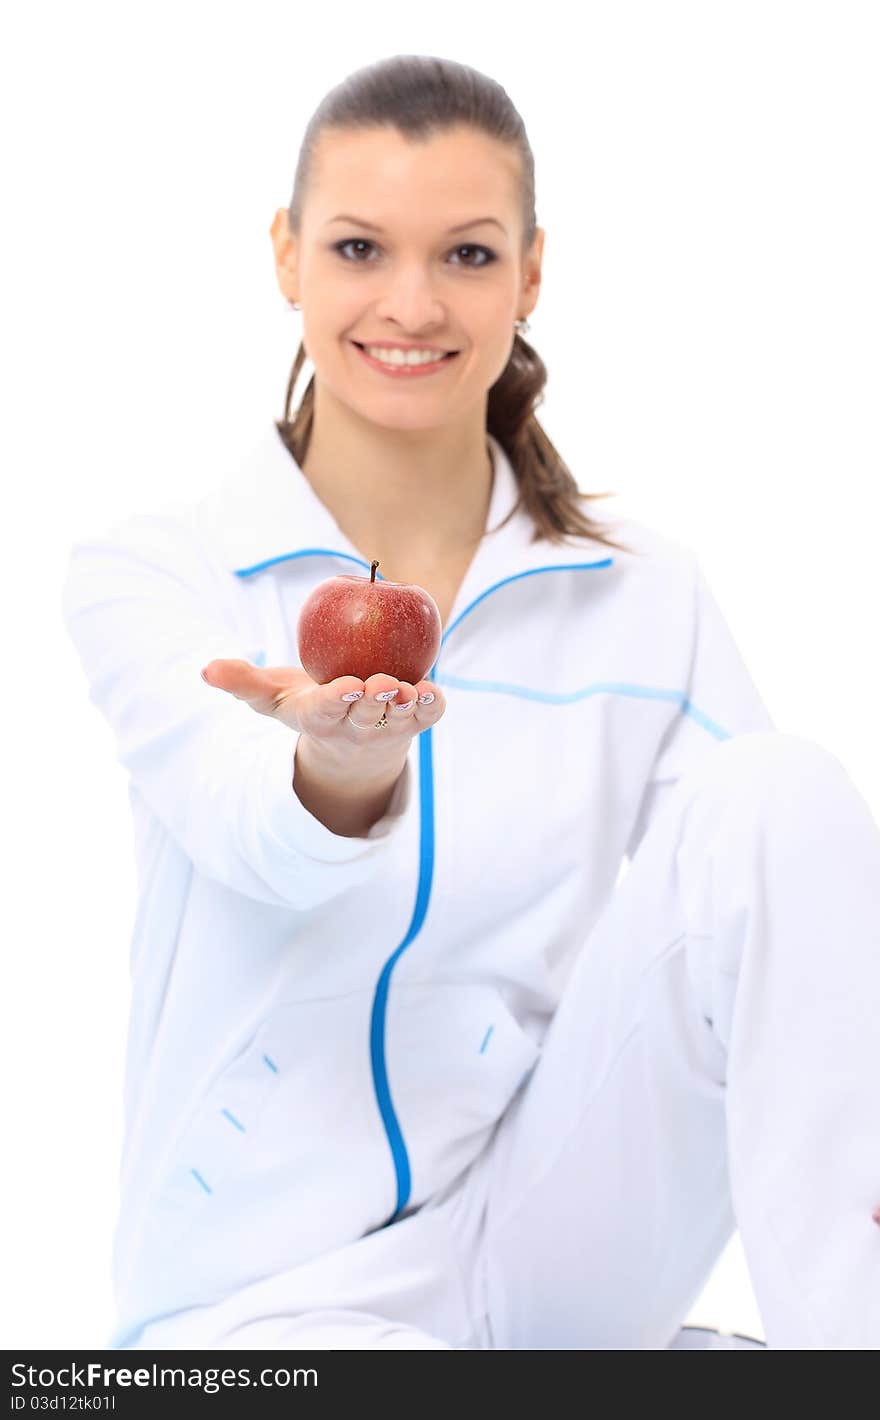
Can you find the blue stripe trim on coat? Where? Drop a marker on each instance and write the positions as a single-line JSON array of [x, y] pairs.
[[399, 1154], [530, 572], [306, 552], [566, 697]]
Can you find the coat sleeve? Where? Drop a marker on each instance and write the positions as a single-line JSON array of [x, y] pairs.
[[145, 613], [719, 700]]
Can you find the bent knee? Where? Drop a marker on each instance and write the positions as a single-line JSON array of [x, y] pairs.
[[776, 759]]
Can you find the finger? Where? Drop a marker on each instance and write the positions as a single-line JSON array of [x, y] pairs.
[[427, 711], [380, 693], [379, 684], [241, 679], [320, 707], [330, 704], [265, 688], [401, 706]]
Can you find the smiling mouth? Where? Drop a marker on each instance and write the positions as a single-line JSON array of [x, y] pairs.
[[446, 356]]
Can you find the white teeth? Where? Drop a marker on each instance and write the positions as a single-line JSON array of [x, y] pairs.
[[404, 357]]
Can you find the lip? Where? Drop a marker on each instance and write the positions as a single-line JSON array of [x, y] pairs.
[[406, 372]]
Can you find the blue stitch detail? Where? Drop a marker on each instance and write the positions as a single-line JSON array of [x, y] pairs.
[[197, 1175], [271, 1064], [233, 1119], [486, 1039]]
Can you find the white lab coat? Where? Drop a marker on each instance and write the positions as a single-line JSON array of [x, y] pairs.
[[325, 1031]]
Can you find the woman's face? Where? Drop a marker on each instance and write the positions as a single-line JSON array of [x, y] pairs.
[[407, 276]]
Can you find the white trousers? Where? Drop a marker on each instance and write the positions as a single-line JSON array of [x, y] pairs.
[[714, 1063]]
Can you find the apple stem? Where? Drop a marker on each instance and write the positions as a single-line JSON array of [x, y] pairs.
[[373, 571]]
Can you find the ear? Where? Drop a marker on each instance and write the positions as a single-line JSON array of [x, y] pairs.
[[280, 230], [532, 273], [285, 247]]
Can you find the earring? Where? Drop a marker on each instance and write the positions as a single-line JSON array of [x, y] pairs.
[[294, 305], [521, 325]]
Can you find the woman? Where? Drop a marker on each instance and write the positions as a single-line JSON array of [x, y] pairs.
[[410, 1063]]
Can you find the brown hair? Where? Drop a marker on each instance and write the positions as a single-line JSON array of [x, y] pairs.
[[419, 96]]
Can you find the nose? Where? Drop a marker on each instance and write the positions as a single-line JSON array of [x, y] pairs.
[[411, 303]]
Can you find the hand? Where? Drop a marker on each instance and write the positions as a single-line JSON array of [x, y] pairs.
[[288, 694]]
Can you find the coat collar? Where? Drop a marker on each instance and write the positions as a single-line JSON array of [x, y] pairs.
[[267, 513]]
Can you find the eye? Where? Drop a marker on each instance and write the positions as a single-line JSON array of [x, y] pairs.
[[488, 255], [351, 242]]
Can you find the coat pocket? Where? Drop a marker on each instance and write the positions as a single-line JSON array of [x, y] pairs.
[[284, 1155], [455, 1057], [217, 1136]]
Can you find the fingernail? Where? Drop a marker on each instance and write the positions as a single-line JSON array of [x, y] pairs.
[[426, 698], [387, 694], [408, 706], [204, 677], [352, 695]]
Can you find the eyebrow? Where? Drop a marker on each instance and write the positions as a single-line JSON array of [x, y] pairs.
[[462, 226]]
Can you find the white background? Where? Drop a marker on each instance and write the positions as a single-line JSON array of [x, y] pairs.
[[707, 178]]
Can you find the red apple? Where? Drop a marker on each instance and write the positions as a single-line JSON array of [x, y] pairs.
[[357, 626]]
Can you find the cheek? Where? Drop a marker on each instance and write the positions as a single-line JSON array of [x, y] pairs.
[[497, 348], [333, 312], [494, 329], [326, 341]]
